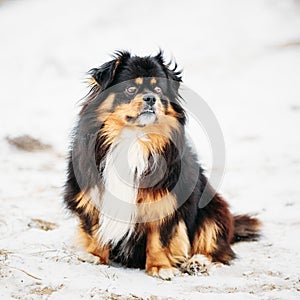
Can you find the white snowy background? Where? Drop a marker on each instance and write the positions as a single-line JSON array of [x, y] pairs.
[[242, 57]]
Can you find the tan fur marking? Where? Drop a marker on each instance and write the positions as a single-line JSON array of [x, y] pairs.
[[139, 80], [117, 64], [153, 81], [131, 109], [154, 209], [179, 247], [116, 121], [154, 142], [205, 241], [171, 112], [156, 257], [91, 242], [105, 108], [93, 246], [83, 201], [92, 81], [79, 196]]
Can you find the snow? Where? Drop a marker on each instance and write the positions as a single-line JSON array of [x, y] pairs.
[[242, 57]]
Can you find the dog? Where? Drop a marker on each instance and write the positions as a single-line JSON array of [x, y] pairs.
[[134, 182]]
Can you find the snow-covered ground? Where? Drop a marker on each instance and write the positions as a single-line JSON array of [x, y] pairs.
[[242, 57]]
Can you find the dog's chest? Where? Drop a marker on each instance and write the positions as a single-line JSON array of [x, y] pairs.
[[125, 163]]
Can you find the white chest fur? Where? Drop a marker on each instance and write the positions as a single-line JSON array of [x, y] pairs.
[[125, 163]]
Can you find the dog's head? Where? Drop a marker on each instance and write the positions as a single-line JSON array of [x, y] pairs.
[[137, 91]]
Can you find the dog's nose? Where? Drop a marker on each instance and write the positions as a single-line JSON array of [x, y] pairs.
[[149, 99]]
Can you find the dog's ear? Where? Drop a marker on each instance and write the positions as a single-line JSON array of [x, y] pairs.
[[172, 73], [104, 75]]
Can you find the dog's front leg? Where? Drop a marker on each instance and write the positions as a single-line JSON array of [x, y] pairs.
[[95, 251], [157, 261]]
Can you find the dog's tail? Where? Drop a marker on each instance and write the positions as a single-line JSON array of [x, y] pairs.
[[246, 228]]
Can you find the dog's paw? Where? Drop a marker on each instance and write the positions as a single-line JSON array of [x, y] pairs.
[[163, 273], [197, 265], [89, 258]]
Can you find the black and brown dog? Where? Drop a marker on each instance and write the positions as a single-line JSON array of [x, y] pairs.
[[136, 185]]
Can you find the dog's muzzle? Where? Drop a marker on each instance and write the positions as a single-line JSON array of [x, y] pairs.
[[148, 112]]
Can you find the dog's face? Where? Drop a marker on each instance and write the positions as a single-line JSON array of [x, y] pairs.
[[141, 101], [138, 91]]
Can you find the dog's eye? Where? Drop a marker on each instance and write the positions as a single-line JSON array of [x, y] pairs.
[[157, 89], [131, 90]]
